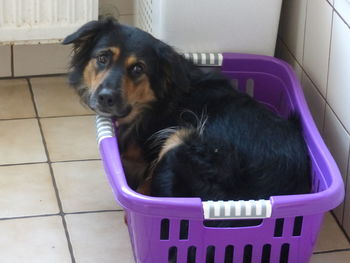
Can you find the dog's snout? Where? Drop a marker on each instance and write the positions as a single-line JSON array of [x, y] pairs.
[[106, 98]]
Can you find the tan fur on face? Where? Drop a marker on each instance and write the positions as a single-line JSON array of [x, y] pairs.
[[138, 95], [91, 78]]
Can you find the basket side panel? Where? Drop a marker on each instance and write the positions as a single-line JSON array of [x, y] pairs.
[[276, 86], [145, 231]]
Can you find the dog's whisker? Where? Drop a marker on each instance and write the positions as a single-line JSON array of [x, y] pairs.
[[200, 122]]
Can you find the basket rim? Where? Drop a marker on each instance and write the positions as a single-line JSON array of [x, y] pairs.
[[282, 206]]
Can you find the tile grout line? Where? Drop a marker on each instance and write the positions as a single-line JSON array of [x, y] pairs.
[[329, 58], [12, 63], [94, 212], [304, 36], [340, 226], [328, 69], [58, 214], [50, 117], [341, 17], [64, 161], [301, 66], [59, 202], [340, 121], [313, 83], [33, 76], [25, 217], [331, 251]]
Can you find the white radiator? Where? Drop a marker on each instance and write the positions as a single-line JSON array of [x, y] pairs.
[[43, 20]]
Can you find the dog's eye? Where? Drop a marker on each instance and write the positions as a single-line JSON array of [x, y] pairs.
[[136, 69], [102, 59]]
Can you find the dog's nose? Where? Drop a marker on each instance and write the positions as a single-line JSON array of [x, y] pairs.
[[106, 98]]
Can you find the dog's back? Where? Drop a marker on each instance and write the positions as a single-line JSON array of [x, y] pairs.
[[230, 147]]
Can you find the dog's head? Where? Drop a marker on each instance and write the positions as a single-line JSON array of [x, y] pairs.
[[120, 70]]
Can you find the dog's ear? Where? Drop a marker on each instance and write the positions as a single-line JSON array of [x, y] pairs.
[[84, 33], [173, 68], [89, 30]]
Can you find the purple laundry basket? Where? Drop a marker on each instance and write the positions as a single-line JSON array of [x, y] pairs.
[[160, 227]]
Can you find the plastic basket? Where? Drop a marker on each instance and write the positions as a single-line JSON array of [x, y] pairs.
[[290, 225]]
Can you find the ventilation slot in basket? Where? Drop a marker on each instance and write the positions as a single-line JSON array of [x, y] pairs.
[[210, 254], [172, 256], [184, 229], [164, 229], [266, 252], [234, 83], [284, 253], [232, 223], [249, 88], [191, 254], [298, 224], [279, 227], [248, 250], [229, 254]]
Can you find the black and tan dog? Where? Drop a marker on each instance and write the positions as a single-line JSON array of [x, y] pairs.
[[188, 131]]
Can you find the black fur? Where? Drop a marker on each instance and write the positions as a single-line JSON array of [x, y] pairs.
[[244, 151]]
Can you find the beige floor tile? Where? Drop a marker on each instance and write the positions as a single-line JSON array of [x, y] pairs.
[[54, 97], [331, 237], [70, 138], [26, 190], [99, 237], [83, 186], [336, 257], [21, 142], [15, 99], [33, 240]]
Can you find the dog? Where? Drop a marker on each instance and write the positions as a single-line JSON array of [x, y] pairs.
[[182, 131]]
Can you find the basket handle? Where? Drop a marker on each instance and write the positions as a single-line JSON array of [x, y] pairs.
[[237, 209], [104, 128], [205, 59]]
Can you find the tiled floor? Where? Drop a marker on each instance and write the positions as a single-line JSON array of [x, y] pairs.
[[55, 202]]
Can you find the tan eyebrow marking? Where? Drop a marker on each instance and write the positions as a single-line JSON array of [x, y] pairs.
[[132, 59], [115, 51]]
